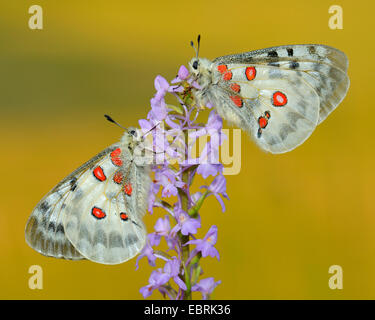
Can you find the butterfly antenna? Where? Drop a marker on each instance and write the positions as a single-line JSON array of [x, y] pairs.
[[113, 121], [195, 49], [151, 129], [199, 43]]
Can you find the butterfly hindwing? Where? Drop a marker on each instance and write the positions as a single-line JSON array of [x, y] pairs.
[[276, 106]]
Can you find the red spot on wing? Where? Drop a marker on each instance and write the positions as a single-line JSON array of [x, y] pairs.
[[235, 87], [222, 68], [237, 101], [99, 173], [98, 213], [227, 75], [279, 99], [128, 189], [262, 122], [118, 177], [250, 73], [115, 157], [124, 216], [267, 114]]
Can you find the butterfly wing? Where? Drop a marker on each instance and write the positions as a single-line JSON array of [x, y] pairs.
[[89, 215], [277, 107], [323, 67], [44, 229], [105, 226]]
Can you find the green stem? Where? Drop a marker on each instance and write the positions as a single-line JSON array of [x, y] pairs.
[[193, 212], [194, 263], [184, 239]]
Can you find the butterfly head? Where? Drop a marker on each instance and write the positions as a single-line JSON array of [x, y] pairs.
[[200, 68], [132, 137]]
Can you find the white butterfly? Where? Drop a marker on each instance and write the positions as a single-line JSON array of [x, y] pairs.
[[279, 94], [95, 212]]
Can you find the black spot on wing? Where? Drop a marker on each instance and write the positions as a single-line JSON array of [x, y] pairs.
[[311, 50], [290, 52], [273, 58], [73, 184], [274, 64], [44, 207], [60, 229], [272, 53], [293, 65], [51, 227]]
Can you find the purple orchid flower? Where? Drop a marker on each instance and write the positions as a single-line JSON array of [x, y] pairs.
[[169, 181], [209, 159], [148, 252], [206, 286], [156, 281], [154, 189], [162, 228], [208, 169], [218, 187], [183, 74], [172, 268], [158, 105], [206, 245], [185, 224]]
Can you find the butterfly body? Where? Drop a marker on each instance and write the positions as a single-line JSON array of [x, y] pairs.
[[96, 212], [297, 86]]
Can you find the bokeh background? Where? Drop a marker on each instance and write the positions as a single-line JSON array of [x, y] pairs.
[[289, 217]]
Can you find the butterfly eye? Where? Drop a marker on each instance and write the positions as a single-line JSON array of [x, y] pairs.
[[195, 64], [133, 133]]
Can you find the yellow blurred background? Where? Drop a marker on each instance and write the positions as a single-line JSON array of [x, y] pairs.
[[289, 218]]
